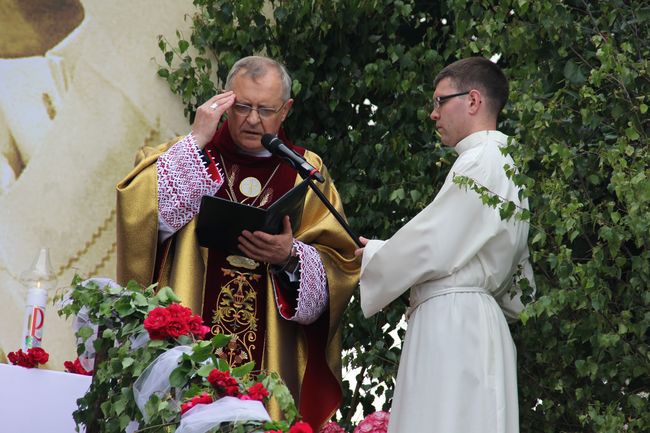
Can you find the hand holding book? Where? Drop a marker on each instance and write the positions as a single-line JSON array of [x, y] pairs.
[[221, 222]]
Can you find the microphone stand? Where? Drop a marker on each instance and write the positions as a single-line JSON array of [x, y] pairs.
[[332, 209], [404, 297]]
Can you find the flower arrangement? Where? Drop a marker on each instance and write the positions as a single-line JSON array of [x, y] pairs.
[[154, 369], [376, 422], [34, 357]]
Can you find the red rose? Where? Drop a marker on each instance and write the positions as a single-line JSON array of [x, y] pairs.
[[76, 368], [21, 359], [205, 330], [197, 328], [31, 359], [70, 367], [257, 392], [175, 328], [179, 320], [204, 398], [156, 322], [38, 355], [301, 427], [186, 406], [223, 383], [179, 312]]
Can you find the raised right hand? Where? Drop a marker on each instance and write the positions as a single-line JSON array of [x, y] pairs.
[[208, 115]]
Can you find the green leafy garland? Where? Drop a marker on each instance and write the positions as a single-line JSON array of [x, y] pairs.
[[109, 405]]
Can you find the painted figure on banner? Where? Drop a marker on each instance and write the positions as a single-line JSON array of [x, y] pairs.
[[77, 93]]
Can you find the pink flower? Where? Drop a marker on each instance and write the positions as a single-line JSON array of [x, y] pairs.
[[301, 427], [332, 427], [376, 422]]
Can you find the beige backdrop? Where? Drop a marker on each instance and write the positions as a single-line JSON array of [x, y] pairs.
[[72, 116]]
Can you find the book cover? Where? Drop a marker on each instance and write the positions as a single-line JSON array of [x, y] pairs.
[[221, 222]]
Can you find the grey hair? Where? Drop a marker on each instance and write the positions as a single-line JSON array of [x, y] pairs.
[[256, 67]]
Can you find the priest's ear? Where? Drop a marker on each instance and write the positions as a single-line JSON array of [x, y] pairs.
[[287, 108]]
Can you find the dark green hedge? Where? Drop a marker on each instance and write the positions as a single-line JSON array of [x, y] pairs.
[[363, 73]]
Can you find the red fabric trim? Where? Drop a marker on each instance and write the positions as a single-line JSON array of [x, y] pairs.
[[213, 170], [286, 304], [320, 394]]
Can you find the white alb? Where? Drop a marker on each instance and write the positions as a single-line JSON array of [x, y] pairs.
[[457, 373]]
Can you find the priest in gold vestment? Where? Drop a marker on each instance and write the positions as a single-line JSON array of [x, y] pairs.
[[281, 296]]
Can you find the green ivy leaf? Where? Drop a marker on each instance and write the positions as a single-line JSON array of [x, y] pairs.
[[243, 370], [220, 340]]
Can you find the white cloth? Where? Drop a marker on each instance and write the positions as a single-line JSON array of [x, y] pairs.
[[155, 378], [56, 392], [204, 417], [457, 372]]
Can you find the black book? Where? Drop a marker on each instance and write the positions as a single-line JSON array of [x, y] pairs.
[[221, 222]]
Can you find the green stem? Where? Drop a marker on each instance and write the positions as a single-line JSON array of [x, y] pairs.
[[155, 426]]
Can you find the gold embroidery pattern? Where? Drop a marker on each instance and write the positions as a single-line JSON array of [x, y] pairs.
[[235, 314]]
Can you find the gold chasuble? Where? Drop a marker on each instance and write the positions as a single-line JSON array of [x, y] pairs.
[[236, 295]]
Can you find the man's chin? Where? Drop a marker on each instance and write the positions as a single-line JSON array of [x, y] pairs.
[[252, 144]]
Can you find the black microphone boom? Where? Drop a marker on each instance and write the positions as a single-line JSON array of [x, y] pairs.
[[274, 145]]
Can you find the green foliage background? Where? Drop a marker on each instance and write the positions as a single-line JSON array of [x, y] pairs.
[[363, 73]]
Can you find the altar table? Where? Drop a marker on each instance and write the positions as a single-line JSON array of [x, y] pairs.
[[39, 401]]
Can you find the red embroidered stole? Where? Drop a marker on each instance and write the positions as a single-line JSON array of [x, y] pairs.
[[235, 288]]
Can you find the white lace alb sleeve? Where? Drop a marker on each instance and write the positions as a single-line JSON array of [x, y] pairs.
[[182, 180], [313, 296]]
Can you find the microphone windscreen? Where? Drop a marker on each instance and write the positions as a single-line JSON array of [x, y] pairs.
[[269, 142]]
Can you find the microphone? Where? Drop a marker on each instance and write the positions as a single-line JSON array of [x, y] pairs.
[[274, 145]]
